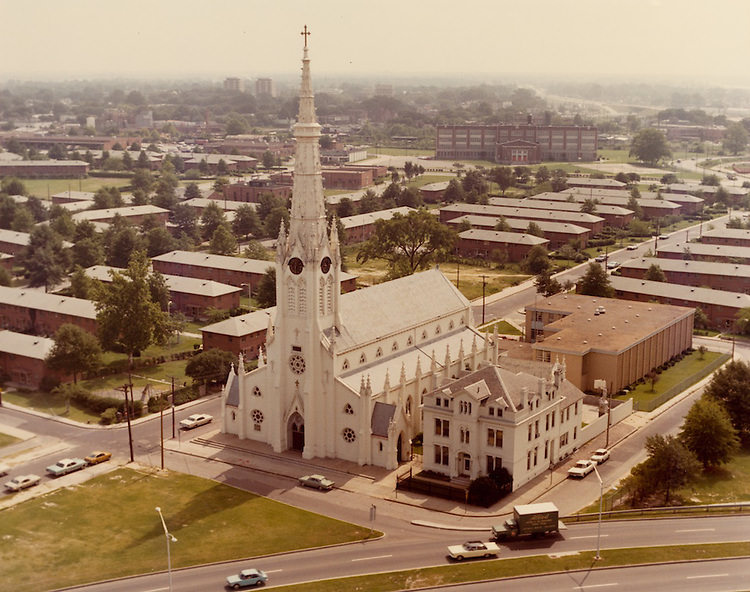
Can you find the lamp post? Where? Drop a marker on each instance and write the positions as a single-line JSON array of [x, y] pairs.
[[170, 539], [601, 498]]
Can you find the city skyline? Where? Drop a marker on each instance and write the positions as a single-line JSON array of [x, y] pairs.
[[651, 40]]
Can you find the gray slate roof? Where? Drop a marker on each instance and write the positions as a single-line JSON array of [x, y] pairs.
[[31, 298]]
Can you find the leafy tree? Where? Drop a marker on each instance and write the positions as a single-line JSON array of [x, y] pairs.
[[546, 284], [534, 229], [254, 250], [236, 124], [409, 242], [655, 274], [265, 291], [81, 285], [5, 277], [142, 162], [536, 260], [75, 351], [650, 146], [370, 202], [276, 216], [211, 218], [268, 159], [559, 180], [186, 221], [107, 197], [735, 138], [504, 178], [588, 206], [326, 142], [121, 242], [192, 191], [209, 366], [669, 179], [409, 197], [127, 161], [87, 252], [22, 220], [345, 208], [473, 180], [711, 179], [701, 320], [502, 225], [158, 241], [595, 282], [127, 316], [454, 192], [45, 258], [143, 180], [731, 386], [708, 433], [223, 241], [246, 221], [542, 175], [669, 465], [12, 185], [635, 207]]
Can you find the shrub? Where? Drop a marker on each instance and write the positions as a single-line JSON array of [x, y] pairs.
[[109, 416], [49, 382], [483, 491]]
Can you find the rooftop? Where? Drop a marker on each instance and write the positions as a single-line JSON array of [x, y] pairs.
[[200, 259], [175, 283], [499, 236], [681, 265], [28, 346], [36, 299]]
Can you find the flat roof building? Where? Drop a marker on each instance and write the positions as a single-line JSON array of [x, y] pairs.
[[613, 215], [594, 223], [709, 274], [557, 233], [481, 244], [705, 252]]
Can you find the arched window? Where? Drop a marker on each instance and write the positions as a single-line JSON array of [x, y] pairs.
[[408, 406], [257, 417], [379, 353], [302, 297], [256, 391], [450, 325], [394, 347], [345, 365], [410, 341], [362, 358]]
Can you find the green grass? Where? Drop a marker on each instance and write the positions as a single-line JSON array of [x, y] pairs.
[[505, 568], [689, 366], [41, 188], [613, 155], [423, 180], [7, 440], [390, 151], [503, 328], [107, 528], [728, 483], [49, 403]]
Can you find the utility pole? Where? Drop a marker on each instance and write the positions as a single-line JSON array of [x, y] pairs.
[[161, 427], [173, 407], [484, 284], [124, 389]]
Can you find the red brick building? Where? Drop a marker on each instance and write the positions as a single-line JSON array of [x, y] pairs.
[[251, 191], [244, 334], [22, 359], [594, 223], [360, 227], [347, 178], [32, 311], [480, 244], [651, 208], [136, 215], [705, 252], [615, 216], [44, 169], [707, 274], [731, 237], [557, 233]]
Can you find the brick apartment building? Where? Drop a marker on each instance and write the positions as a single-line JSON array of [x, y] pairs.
[[251, 191], [706, 274], [347, 178], [605, 338], [516, 144], [594, 223], [615, 216], [44, 169], [690, 204], [730, 237], [651, 208], [243, 334], [705, 252], [135, 215], [32, 311], [360, 227], [480, 244], [557, 233], [22, 359]]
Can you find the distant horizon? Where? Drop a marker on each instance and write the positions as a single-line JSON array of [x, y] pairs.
[[672, 42]]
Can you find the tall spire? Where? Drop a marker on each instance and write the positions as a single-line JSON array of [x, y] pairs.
[[308, 203]]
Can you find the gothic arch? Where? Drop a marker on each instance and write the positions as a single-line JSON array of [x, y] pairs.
[[295, 429]]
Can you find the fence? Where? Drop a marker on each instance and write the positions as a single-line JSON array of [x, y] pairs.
[[734, 508], [419, 484], [652, 404]]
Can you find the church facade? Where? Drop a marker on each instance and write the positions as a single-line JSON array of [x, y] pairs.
[[343, 375]]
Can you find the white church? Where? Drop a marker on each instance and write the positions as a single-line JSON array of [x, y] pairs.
[[344, 375]]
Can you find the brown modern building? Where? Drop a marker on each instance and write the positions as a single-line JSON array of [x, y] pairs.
[[605, 338], [251, 191], [557, 233], [720, 307], [244, 334], [32, 311], [44, 169], [480, 244], [516, 144], [594, 223], [730, 237], [347, 178], [360, 227], [706, 274]]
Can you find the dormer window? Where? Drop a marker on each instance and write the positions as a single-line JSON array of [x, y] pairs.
[[379, 353]]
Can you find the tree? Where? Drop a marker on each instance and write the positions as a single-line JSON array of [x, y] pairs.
[[143, 180], [142, 162], [272, 223], [45, 258], [236, 124], [534, 229], [344, 208], [559, 180], [158, 241], [669, 464], [454, 192], [650, 146], [409, 242], [701, 319], [595, 282], [655, 274], [81, 285], [209, 366], [709, 434], [536, 260], [268, 159], [265, 291], [75, 351], [669, 179], [255, 250], [731, 386], [502, 225], [192, 191], [223, 241], [22, 220], [546, 284], [542, 175], [121, 241], [128, 319], [504, 178], [326, 142], [246, 221], [473, 180], [186, 221], [735, 138], [588, 206], [211, 218], [635, 207]]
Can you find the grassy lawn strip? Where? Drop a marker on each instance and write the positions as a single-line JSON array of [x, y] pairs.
[[503, 328], [108, 528], [505, 568], [6, 440], [40, 187]]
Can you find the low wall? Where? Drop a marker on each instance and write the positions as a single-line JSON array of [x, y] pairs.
[[599, 425]]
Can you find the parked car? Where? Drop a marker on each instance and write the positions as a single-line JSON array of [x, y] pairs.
[[473, 549], [663, 236], [316, 481], [600, 455], [4, 469], [613, 265], [195, 420], [247, 577], [581, 469], [65, 466], [600, 258], [632, 247], [98, 456], [22, 482]]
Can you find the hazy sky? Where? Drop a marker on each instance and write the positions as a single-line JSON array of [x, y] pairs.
[[694, 40]]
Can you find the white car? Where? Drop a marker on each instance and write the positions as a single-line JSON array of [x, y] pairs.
[[581, 469], [195, 420], [473, 549], [22, 482], [632, 247], [4, 469], [65, 466], [600, 455]]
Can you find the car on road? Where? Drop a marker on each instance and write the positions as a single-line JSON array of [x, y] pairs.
[[247, 577], [600, 455], [581, 469], [65, 466], [22, 482], [98, 456], [316, 481], [4, 469], [632, 247], [195, 420], [613, 265], [663, 236], [600, 258], [473, 549]]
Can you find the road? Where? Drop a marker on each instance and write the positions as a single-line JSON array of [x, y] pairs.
[[429, 549]]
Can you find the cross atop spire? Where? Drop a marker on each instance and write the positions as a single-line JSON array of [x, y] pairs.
[[305, 33]]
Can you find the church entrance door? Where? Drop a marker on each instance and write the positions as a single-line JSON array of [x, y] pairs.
[[296, 432]]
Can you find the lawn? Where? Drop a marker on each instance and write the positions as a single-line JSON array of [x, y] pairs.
[[423, 180], [690, 367], [728, 483], [6, 440], [42, 188], [389, 151], [445, 575], [107, 528], [503, 328], [49, 403]]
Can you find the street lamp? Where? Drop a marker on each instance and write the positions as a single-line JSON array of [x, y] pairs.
[[170, 539], [601, 498]]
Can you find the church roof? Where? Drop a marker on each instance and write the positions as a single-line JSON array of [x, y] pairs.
[[375, 312], [382, 413], [233, 388]]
